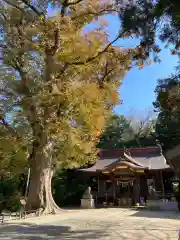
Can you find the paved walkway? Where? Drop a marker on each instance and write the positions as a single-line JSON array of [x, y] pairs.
[[103, 224]]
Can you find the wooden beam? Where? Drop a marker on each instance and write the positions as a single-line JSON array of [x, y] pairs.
[[121, 167], [140, 171], [106, 172]]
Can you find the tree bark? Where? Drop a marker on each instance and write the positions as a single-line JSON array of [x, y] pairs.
[[40, 196]]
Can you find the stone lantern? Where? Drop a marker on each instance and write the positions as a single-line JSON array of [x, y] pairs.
[[87, 200]]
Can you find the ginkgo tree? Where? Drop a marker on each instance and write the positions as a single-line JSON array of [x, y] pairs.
[[60, 86]]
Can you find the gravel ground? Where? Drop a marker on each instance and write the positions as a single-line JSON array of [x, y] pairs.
[[103, 224]]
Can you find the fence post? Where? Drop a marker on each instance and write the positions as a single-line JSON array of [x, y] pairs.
[[2, 219]]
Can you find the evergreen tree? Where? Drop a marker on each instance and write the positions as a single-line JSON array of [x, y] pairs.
[[149, 20], [167, 105], [114, 134]]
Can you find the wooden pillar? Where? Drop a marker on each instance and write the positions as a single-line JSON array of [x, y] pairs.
[[105, 194], [162, 183], [114, 193], [98, 185], [97, 190], [154, 182], [136, 190]]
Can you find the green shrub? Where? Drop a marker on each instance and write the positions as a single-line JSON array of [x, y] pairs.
[[9, 195], [68, 188]]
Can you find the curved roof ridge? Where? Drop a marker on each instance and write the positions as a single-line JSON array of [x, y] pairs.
[[132, 160]]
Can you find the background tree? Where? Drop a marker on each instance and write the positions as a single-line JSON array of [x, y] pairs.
[[122, 132], [62, 85], [113, 135], [167, 106], [143, 128], [151, 20]]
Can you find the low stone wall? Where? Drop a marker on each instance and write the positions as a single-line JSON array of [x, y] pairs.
[[160, 205]]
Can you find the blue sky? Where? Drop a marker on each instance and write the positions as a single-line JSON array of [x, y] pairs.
[[137, 90]]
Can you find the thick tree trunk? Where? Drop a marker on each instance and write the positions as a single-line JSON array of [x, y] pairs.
[[40, 191]]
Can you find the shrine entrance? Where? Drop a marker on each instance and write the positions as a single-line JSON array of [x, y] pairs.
[[119, 184], [124, 191], [118, 188]]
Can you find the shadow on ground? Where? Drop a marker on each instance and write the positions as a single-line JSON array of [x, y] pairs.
[[158, 214], [52, 232], [45, 232]]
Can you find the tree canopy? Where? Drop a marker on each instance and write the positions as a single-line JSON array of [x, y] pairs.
[[149, 21]]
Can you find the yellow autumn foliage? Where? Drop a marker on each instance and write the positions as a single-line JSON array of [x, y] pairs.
[[69, 75]]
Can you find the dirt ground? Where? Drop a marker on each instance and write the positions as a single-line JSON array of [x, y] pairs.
[[105, 224]]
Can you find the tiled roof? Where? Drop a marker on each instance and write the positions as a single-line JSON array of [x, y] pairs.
[[150, 158], [100, 164], [116, 153]]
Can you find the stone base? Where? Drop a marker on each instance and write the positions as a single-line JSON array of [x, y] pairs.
[[87, 203], [154, 204], [158, 204]]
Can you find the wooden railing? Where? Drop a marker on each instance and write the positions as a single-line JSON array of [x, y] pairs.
[[22, 214]]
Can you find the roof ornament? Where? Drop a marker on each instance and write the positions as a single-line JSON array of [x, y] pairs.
[[126, 150], [158, 144], [132, 160]]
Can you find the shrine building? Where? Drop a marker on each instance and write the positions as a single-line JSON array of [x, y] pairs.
[[122, 177]]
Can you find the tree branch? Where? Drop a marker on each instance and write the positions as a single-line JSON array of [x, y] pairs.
[[32, 7], [13, 5], [74, 3], [100, 52], [96, 14], [66, 4], [56, 41], [105, 75], [63, 69]]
